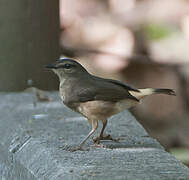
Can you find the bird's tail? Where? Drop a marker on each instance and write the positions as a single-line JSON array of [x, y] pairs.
[[150, 91]]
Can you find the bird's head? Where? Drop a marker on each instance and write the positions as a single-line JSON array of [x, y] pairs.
[[67, 68]]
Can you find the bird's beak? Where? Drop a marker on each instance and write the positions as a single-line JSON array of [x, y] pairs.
[[51, 66]]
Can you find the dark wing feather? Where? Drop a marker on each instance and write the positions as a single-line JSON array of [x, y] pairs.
[[101, 89], [124, 85]]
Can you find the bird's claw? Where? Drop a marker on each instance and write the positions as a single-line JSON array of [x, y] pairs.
[[79, 148], [107, 137], [98, 145]]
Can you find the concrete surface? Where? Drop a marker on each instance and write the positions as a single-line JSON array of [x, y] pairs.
[[35, 143]]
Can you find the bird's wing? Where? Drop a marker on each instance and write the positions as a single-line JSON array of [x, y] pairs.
[[124, 85], [105, 90]]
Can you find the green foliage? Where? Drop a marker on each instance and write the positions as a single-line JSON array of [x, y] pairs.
[[157, 31]]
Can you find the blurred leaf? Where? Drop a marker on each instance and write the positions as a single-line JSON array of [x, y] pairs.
[[157, 31]]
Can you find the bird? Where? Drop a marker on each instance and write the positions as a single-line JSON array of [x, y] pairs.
[[96, 98]]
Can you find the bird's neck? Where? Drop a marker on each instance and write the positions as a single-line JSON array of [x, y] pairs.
[[62, 81], [69, 82], [65, 83]]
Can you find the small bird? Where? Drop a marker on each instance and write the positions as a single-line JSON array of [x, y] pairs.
[[94, 97]]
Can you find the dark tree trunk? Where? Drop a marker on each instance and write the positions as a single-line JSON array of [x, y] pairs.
[[29, 39]]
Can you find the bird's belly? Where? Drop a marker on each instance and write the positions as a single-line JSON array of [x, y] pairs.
[[101, 110], [125, 104]]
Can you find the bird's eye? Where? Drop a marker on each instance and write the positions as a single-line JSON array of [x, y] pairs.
[[67, 66]]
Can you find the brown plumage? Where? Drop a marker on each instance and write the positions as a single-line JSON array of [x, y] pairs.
[[96, 98]]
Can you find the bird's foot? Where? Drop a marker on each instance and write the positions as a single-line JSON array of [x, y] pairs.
[[107, 137], [98, 145], [79, 148]]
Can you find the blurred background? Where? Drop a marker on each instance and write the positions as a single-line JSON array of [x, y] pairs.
[[142, 42]]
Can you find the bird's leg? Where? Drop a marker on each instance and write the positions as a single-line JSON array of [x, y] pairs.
[[103, 128], [101, 137], [94, 124]]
